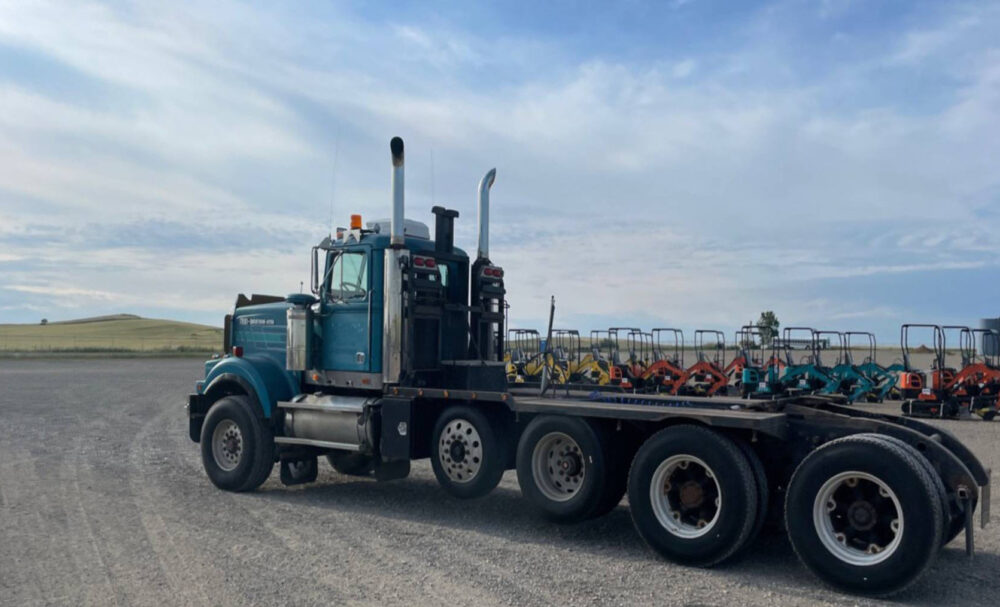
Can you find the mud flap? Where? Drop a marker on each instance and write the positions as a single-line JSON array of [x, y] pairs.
[[970, 528], [392, 469], [984, 500], [298, 471]]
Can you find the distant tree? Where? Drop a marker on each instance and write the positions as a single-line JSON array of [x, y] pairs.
[[45, 321], [768, 325]]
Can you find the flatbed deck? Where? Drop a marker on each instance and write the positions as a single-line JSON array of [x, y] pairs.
[[721, 411], [771, 423]]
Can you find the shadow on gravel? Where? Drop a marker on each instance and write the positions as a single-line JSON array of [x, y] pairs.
[[504, 514]]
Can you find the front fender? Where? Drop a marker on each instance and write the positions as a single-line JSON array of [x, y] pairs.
[[269, 381]]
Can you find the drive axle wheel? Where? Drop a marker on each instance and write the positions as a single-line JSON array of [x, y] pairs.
[[467, 455], [864, 515], [763, 490], [237, 449], [565, 469], [953, 523], [693, 495]]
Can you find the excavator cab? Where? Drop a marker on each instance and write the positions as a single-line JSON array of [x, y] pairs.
[[707, 376], [666, 373]]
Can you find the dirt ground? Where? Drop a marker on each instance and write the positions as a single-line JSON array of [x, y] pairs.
[[103, 502]]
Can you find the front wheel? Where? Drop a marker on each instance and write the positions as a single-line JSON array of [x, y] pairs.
[[693, 495], [237, 449], [467, 453], [864, 515]]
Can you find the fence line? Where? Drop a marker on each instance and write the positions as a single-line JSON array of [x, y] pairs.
[[52, 343]]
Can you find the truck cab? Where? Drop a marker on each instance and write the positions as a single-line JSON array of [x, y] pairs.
[[390, 308]]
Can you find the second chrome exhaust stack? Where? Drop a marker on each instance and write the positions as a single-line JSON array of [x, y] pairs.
[[396, 226], [484, 213]]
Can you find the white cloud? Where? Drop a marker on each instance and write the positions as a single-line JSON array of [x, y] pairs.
[[683, 69], [673, 188], [57, 291]]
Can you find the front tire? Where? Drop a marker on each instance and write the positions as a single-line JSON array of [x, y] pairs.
[[467, 454], [693, 495], [237, 448], [864, 515]]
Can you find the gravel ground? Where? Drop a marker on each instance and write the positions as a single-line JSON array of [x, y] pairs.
[[103, 501]]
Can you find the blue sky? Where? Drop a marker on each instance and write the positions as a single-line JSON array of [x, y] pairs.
[[685, 163]]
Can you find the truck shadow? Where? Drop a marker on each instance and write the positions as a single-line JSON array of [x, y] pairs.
[[769, 563]]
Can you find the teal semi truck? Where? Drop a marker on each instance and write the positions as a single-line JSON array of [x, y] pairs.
[[398, 354]]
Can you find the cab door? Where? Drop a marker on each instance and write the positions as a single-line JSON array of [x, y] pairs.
[[347, 300]]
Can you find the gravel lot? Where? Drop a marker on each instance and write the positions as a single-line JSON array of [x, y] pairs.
[[103, 501]]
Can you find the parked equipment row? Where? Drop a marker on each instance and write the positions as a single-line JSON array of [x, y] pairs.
[[803, 360]]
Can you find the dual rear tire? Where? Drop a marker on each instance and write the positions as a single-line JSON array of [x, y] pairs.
[[696, 495], [568, 470], [865, 514]]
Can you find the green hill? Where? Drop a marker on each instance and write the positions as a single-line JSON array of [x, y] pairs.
[[114, 333]]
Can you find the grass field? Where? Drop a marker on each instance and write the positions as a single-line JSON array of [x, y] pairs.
[[123, 333]]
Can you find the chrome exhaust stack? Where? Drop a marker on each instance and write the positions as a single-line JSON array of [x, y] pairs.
[[484, 213], [396, 258], [396, 230]]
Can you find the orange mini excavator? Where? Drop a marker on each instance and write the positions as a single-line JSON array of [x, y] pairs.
[[666, 372], [707, 376]]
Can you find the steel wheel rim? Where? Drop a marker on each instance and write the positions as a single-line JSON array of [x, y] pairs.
[[843, 517], [460, 451], [227, 445], [686, 496], [558, 466]]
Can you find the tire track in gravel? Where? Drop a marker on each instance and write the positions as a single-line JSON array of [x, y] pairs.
[[97, 476], [189, 519], [187, 572], [26, 581], [44, 534], [289, 544], [373, 539], [75, 496], [377, 519], [303, 531]]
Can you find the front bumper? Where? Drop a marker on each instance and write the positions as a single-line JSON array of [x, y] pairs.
[[196, 408]]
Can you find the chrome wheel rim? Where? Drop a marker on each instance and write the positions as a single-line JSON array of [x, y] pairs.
[[558, 466], [227, 445], [460, 451], [686, 496], [858, 518]]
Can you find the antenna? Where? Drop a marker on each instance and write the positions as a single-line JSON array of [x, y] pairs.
[[333, 178], [433, 201]]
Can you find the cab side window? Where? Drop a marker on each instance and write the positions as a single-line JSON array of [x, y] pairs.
[[347, 278]]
